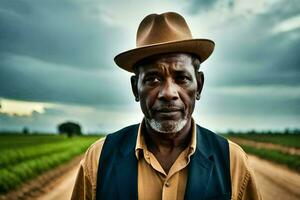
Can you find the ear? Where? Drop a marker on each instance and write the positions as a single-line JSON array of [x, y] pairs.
[[200, 83], [134, 83]]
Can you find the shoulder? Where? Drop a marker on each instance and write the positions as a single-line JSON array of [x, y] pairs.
[[92, 155], [238, 157], [239, 165], [240, 170], [91, 158]]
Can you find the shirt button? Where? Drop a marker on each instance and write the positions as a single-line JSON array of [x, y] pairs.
[[167, 184]]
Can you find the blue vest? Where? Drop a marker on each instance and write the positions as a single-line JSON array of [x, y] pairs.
[[208, 170]]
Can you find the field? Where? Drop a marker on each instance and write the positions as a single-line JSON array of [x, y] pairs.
[[292, 161], [279, 148], [288, 140], [24, 157]]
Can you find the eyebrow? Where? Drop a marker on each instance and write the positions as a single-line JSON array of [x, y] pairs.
[[155, 72], [181, 72], [151, 73]]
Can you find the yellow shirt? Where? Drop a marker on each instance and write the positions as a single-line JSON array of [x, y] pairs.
[[154, 183]]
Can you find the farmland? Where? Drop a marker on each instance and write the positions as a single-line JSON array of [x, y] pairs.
[[276, 147], [24, 157], [288, 140]]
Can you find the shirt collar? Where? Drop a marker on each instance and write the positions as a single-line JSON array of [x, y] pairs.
[[141, 145]]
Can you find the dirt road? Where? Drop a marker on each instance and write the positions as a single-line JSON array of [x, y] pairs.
[[275, 181], [61, 189]]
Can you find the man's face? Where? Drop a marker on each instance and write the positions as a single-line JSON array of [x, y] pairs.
[[167, 88]]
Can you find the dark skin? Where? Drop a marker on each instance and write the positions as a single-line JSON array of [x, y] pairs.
[[167, 87]]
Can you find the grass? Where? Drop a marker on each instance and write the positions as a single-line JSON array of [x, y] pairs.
[[36, 154], [292, 161], [17, 141], [288, 140]]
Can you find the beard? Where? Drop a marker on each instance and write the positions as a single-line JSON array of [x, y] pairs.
[[167, 126]]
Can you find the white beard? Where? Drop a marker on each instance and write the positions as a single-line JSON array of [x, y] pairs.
[[167, 127]]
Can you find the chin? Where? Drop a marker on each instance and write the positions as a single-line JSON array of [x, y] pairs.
[[167, 126]]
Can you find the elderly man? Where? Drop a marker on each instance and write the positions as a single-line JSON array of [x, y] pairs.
[[167, 155]]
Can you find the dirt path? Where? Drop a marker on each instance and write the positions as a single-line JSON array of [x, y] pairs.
[[61, 189], [275, 181], [56, 183]]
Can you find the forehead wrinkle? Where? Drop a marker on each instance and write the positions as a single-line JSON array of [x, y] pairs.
[[168, 63], [172, 66], [162, 66]]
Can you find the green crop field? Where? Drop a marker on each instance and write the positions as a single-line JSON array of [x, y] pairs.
[[24, 157], [292, 161], [288, 140]]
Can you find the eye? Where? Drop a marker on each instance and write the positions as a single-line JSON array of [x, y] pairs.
[[152, 80], [183, 79]]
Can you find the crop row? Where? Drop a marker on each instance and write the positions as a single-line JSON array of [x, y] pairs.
[[292, 161], [17, 141], [12, 156], [12, 176], [287, 140]]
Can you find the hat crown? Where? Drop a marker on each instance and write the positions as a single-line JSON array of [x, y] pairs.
[[166, 27]]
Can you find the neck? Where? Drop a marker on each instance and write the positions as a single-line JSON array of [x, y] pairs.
[[166, 142]]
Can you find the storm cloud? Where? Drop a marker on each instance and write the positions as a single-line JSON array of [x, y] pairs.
[[62, 52]]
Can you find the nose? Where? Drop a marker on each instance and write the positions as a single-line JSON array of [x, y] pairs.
[[168, 91]]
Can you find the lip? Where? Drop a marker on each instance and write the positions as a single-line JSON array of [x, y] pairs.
[[168, 110], [170, 114]]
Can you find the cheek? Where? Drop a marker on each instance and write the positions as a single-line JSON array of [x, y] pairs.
[[147, 99], [189, 98]]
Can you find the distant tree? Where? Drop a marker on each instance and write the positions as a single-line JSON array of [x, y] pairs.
[[25, 131], [286, 131], [251, 132], [69, 128]]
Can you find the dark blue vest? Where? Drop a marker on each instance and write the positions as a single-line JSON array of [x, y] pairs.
[[208, 173]]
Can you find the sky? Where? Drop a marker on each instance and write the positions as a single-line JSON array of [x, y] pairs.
[[56, 63]]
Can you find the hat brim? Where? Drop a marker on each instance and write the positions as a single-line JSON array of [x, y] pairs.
[[202, 48]]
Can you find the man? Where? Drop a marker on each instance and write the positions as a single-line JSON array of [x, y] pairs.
[[167, 156]]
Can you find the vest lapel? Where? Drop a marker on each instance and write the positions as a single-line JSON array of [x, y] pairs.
[[200, 170], [126, 174], [126, 168]]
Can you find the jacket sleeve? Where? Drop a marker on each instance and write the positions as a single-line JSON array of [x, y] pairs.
[[250, 189], [86, 180], [243, 182], [83, 186]]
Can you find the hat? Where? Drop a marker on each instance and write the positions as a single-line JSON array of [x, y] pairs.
[[164, 33]]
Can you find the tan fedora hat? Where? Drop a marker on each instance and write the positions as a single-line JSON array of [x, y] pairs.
[[164, 33]]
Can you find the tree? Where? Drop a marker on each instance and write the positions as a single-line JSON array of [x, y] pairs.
[[25, 131], [69, 128]]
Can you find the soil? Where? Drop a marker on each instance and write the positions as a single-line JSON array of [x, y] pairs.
[[275, 181], [58, 181]]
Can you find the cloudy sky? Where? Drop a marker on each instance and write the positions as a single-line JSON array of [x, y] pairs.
[[56, 62]]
